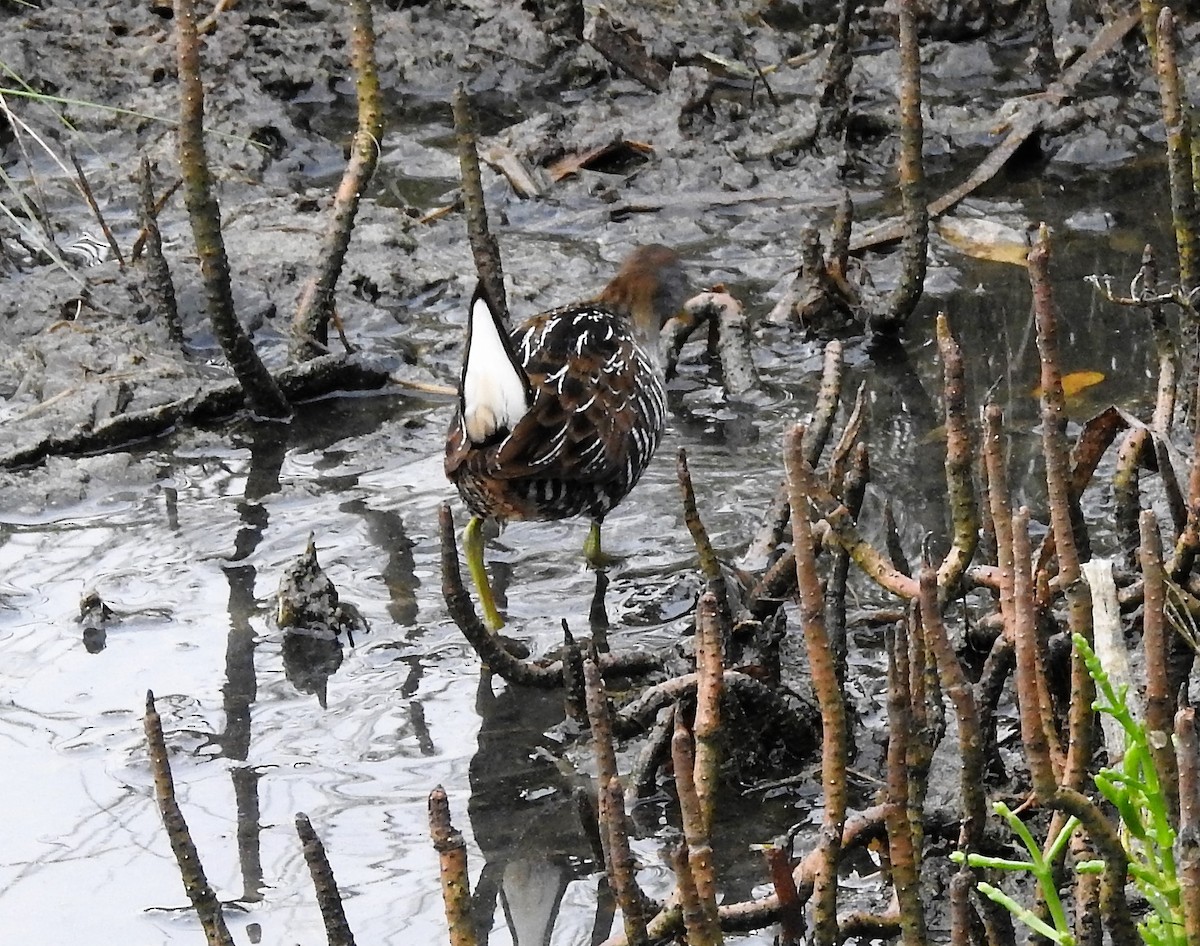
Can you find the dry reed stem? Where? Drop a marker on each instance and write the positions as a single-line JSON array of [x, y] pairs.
[[1156, 646], [316, 306], [1179, 149], [484, 247], [622, 871], [452, 864], [701, 868], [902, 845], [914, 244], [160, 291], [262, 393], [958, 689], [1187, 754], [1150, 10], [1062, 503], [960, 455], [195, 884], [329, 899], [834, 750], [853, 491], [843, 220], [709, 688]]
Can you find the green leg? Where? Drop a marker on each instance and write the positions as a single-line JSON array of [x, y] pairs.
[[591, 547], [473, 547]]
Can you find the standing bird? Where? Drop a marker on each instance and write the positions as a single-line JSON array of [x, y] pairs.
[[561, 418]]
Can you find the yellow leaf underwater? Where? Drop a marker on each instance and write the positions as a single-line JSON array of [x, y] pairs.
[[985, 239], [1075, 382]]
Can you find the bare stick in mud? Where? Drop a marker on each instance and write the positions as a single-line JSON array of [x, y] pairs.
[[835, 83], [86, 189], [263, 395], [484, 248], [1062, 504], [816, 436], [160, 291], [139, 243], [1179, 151], [452, 861], [902, 845], [915, 242], [709, 689], [834, 751], [702, 925], [1187, 753], [204, 901], [710, 565], [622, 875], [960, 455], [791, 907], [329, 898], [1160, 700], [310, 325]]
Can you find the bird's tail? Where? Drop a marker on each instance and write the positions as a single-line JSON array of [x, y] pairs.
[[494, 392]]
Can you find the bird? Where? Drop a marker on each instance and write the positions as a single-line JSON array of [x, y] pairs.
[[561, 417]]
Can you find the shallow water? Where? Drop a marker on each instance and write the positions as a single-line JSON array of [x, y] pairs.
[[186, 541]]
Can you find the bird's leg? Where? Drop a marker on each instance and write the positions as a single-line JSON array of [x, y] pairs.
[[473, 547], [591, 548]]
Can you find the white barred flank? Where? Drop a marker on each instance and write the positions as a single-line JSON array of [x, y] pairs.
[[495, 394]]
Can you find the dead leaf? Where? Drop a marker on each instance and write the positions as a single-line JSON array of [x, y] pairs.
[[985, 239], [1075, 382]]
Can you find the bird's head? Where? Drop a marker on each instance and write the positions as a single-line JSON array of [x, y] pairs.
[[650, 287]]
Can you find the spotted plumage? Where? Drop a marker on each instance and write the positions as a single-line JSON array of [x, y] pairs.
[[561, 418]]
